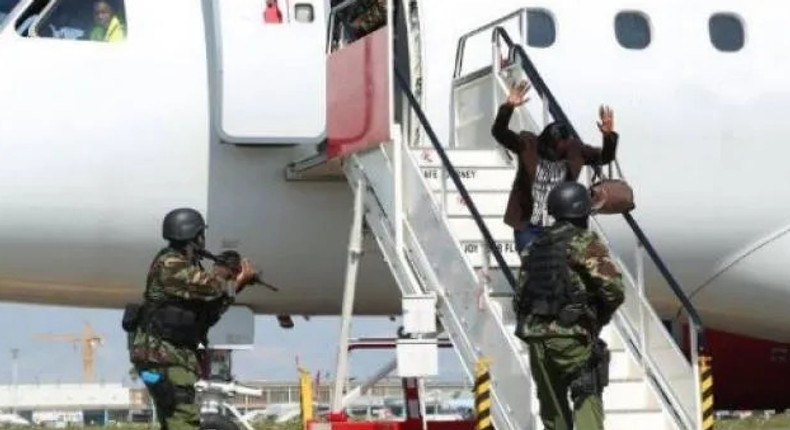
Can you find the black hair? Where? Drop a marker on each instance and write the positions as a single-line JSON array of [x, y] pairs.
[[554, 132]]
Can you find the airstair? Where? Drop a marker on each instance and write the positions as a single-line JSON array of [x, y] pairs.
[[436, 214]]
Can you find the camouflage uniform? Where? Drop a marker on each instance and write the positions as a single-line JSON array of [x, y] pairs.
[[559, 354], [173, 277]]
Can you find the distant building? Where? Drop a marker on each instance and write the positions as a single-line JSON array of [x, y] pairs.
[[101, 403], [50, 404]]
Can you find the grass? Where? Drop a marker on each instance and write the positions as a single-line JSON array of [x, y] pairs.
[[778, 422]]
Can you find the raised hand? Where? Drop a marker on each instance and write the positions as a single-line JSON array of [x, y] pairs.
[[246, 274], [517, 96], [606, 125]]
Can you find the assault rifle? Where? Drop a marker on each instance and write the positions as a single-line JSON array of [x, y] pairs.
[[232, 260]]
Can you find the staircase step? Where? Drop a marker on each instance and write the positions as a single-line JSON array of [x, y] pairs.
[[473, 178], [428, 157], [622, 366], [650, 419], [612, 338], [642, 420], [465, 229], [629, 395], [474, 253], [491, 203]]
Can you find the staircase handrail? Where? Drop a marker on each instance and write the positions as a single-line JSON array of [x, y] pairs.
[[448, 166], [556, 111]]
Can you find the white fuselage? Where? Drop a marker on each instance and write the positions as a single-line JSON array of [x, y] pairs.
[[98, 141]]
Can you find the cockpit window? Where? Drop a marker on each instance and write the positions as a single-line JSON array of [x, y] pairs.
[[94, 20], [5, 8], [354, 19]]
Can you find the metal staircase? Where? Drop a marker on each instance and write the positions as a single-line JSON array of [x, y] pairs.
[[436, 215]]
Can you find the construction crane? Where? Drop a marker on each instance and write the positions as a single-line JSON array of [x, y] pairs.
[[88, 342]]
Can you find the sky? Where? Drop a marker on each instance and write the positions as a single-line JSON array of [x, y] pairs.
[[273, 358]]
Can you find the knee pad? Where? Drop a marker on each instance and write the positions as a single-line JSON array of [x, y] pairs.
[[584, 385], [602, 357]]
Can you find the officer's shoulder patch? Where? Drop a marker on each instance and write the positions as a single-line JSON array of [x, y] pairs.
[[591, 246], [173, 261], [597, 249], [579, 241]]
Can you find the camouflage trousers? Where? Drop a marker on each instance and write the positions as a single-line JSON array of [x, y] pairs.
[[174, 399], [174, 393], [557, 365]]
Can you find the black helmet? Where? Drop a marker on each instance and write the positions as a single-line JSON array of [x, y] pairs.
[[182, 225], [569, 200]]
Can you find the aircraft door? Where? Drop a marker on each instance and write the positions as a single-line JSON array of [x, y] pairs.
[[268, 72]]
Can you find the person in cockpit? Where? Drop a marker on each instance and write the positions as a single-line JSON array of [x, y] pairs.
[[108, 27]]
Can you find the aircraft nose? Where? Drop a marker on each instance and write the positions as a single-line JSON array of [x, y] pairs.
[[750, 293]]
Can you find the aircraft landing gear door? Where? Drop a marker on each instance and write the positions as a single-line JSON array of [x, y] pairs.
[[269, 72]]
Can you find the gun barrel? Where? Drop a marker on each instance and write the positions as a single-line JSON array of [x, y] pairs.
[[207, 254], [256, 278]]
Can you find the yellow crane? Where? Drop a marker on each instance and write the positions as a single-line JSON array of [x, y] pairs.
[[88, 341]]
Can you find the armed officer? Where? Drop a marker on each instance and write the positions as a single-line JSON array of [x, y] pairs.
[[181, 301], [569, 289]]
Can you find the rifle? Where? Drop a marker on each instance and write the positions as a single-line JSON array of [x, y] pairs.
[[232, 260]]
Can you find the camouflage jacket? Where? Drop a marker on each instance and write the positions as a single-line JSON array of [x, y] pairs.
[[174, 277], [591, 268]]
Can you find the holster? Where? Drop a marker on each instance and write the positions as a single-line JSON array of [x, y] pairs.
[[177, 325], [601, 359], [594, 376], [570, 315], [577, 311], [131, 317], [164, 395], [584, 384]]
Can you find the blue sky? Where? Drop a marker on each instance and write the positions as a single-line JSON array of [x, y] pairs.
[[274, 357]]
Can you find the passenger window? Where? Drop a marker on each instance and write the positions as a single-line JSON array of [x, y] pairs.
[[5, 8], [541, 31], [726, 32], [97, 21], [303, 12], [632, 30]]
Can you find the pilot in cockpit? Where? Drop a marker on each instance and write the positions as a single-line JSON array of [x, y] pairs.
[[107, 26]]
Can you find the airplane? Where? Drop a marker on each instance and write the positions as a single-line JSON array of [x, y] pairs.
[[204, 105]]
